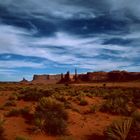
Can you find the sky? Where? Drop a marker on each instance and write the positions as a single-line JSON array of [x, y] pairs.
[[54, 36]]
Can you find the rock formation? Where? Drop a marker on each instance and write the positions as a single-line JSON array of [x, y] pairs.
[[118, 76], [24, 81], [113, 76], [46, 78]]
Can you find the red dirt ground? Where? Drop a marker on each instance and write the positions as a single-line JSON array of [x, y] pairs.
[[81, 126]]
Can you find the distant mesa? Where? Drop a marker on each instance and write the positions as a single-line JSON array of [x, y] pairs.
[[113, 76], [116, 76], [46, 78]]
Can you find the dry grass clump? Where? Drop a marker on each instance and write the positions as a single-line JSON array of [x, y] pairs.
[[124, 129], [118, 130]]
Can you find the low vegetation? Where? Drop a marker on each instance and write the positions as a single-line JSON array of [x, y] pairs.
[[52, 104], [117, 105], [83, 102], [50, 116], [2, 128], [119, 129]]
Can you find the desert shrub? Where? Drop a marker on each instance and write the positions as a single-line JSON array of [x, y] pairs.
[[21, 138], [94, 109], [56, 126], [66, 138], [10, 103], [31, 94], [118, 130], [136, 98], [13, 112], [61, 98], [89, 95], [47, 92], [136, 115], [34, 94], [117, 105], [53, 114], [13, 97], [25, 110], [83, 102], [39, 123], [2, 107], [67, 105], [1, 128], [26, 114], [134, 133]]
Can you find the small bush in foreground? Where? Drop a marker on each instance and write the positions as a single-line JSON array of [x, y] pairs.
[[51, 115]]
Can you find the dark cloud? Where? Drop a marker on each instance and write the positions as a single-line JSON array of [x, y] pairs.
[[101, 24], [117, 41]]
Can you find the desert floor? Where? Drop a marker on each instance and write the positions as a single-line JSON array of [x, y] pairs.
[[83, 124]]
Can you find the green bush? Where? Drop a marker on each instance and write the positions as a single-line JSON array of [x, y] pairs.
[[53, 114]]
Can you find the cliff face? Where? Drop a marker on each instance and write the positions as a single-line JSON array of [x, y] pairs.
[[93, 76], [46, 78], [123, 76], [118, 76]]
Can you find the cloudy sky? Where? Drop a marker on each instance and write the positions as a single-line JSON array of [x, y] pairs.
[[53, 36]]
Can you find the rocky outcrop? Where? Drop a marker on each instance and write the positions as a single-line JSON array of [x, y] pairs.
[[118, 76], [46, 78], [123, 76], [24, 81], [113, 76]]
